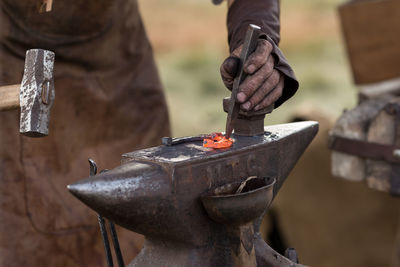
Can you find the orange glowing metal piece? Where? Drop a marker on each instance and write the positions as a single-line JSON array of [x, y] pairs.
[[217, 140]]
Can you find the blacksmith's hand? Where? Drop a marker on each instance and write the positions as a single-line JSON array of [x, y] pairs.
[[263, 85]]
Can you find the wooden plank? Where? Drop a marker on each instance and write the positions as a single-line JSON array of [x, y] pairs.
[[371, 31]]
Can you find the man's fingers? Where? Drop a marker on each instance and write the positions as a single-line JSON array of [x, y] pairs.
[[273, 95], [259, 57], [253, 82], [262, 91], [229, 69]]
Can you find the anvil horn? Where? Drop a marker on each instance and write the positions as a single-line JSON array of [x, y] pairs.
[[138, 188]]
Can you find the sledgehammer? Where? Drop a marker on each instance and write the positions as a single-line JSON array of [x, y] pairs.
[[34, 96]]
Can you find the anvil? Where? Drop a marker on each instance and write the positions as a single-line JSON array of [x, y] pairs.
[[159, 192]]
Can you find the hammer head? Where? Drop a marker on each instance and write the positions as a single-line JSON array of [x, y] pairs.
[[37, 93]]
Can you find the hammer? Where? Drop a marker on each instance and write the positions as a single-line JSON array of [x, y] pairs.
[[35, 95]]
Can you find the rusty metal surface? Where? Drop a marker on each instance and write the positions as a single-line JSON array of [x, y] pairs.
[[37, 92], [157, 192], [248, 123], [224, 205]]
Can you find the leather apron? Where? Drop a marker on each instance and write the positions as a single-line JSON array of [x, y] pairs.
[[108, 101]]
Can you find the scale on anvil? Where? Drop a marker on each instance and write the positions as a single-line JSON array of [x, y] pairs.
[[197, 206]]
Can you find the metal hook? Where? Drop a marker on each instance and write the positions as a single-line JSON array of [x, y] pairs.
[[102, 223]]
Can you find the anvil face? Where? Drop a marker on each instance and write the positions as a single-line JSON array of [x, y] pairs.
[[157, 191]]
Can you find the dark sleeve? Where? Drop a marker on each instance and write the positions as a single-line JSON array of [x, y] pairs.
[[263, 13]]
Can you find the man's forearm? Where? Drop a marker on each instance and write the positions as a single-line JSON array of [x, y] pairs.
[[264, 13]]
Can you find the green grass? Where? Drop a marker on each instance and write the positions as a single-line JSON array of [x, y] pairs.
[[311, 41], [194, 91]]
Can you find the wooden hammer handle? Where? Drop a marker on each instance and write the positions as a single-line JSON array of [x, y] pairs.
[[9, 97]]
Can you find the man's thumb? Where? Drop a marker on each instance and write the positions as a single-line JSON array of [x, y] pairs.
[[230, 66]]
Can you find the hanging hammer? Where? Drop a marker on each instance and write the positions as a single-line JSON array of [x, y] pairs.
[[34, 96]]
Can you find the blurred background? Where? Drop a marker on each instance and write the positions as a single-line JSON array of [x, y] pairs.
[[189, 38], [331, 222]]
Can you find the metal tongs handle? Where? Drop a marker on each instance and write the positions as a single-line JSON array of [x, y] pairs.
[[103, 230], [169, 141]]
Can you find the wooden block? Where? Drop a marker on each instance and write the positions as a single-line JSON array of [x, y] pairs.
[[354, 124], [382, 130], [371, 31]]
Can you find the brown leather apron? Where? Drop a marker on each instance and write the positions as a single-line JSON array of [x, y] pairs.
[[108, 101]]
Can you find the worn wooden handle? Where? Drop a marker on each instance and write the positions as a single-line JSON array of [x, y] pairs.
[[46, 6], [9, 97]]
